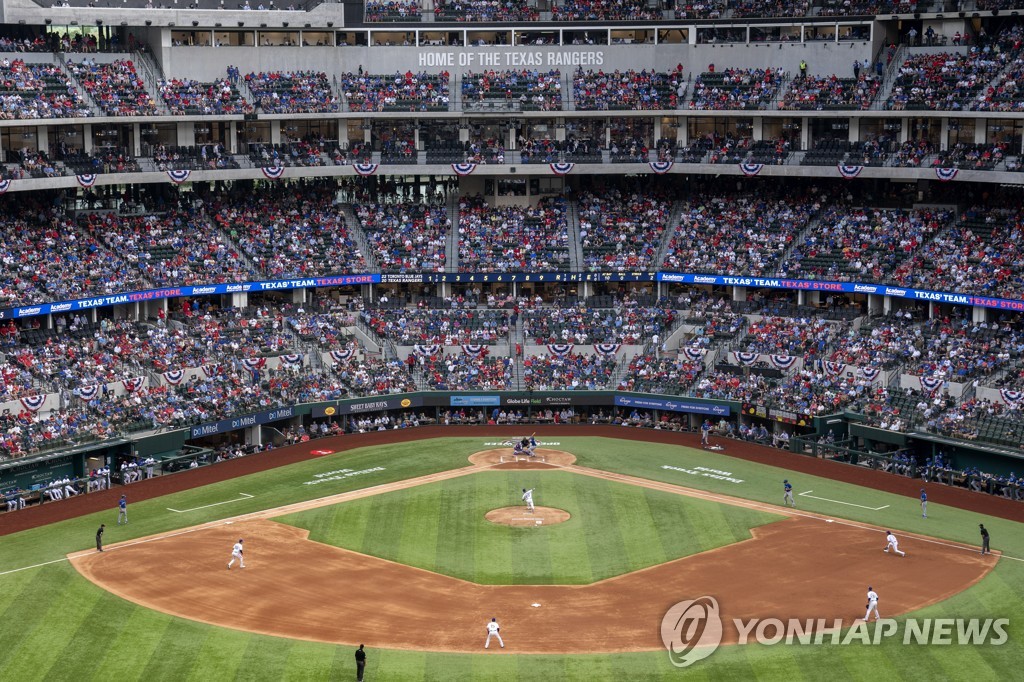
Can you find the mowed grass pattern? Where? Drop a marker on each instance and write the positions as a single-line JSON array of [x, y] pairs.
[[55, 625], [615, 528]]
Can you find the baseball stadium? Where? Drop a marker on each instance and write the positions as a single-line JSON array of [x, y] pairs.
[[511, 340]]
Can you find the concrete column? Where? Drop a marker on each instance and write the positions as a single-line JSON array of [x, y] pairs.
[[275, 132], [886, 304], [805, 133], [87, 138], [240, 300], [463, 134], [607, 134], [980, 131], [186, 134], [416, 138], [739, 293], [137, 139], [943, 134], [254, 435], [683, 132], [904, 129], [560, 130], [298, 295], [801, 297], [657, 131], [854, 135], [875, 303], [233, 137], [812, 298], [757, 129], [979, 314]]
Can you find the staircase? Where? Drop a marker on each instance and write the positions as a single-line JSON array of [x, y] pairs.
[[515, 335], [572, 215], [451, 249], [60, 61], [670, 230], [355, 230], [813, 226], [151, 75]]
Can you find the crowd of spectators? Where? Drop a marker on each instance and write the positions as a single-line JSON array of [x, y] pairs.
[[742, 9], [292, 92], [392, 10], [461, 372], [621, 230], [531, 90], [863, 244], [406, 237], [397, 92], [601, 90], [485, 10], [570, 372], [448, 326], [737, 234], [629, 324], [807, 337], [700, 9], [34, 91], [513, 238], [114, 86], [818, 93], [605, 10], [736, 89], [185, 96], [289, 231], [648, 373], [981, 254], [944, 81]]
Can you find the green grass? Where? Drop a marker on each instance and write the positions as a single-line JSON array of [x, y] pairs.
[[614, 528], [55, 625]]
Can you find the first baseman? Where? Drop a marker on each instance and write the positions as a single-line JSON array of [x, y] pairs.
[[893, 543], [787, 499], [528, 498], [492, 631], [236, 553], [872, 604]]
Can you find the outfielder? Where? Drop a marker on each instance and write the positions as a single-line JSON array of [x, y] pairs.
[[924, 504], [122, 509], [236, 553], [528, 498], [492, 631], [893, 543], [872, 604], [787, 499]]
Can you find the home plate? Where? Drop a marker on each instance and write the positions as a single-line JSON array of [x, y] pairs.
[[535, 605]]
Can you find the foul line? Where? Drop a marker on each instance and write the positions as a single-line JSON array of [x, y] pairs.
[[244, 496], [850, 504]]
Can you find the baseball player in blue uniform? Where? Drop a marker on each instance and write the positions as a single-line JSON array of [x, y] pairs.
[[122, 509], [705, 432], [787, 499], [531, 448], [924, 504]]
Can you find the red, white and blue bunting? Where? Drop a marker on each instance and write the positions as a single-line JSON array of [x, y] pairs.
[[834, 368], [931, 384], [782, 361], [850, 172], [946, 174], [1011, 397], [607, 349], [5, 185], [89, 392], [751, 169], [254, 363], [211, 370], [174, 376], [870, 373], [273, 172], [365, 169], [341, 355], [87, 179], [426, 349], [695, 354], [744, 358], [560, 349], [474, 350], [34, 402], [179, 176], [561, 168], [133, 384], [463, 169], [660, 167], [291, 359]]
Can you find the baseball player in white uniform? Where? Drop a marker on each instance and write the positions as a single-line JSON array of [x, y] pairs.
[[528, 498], [492, 631], [872, 604], [893, 544], [236, 553]]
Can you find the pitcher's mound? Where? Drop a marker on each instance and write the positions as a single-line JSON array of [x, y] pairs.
[[520, 517], [502, 458]]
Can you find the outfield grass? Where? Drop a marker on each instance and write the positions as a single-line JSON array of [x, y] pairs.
[[615, 528], [57, 626]]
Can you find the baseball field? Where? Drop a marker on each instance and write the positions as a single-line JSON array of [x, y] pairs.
[[400, 546]]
